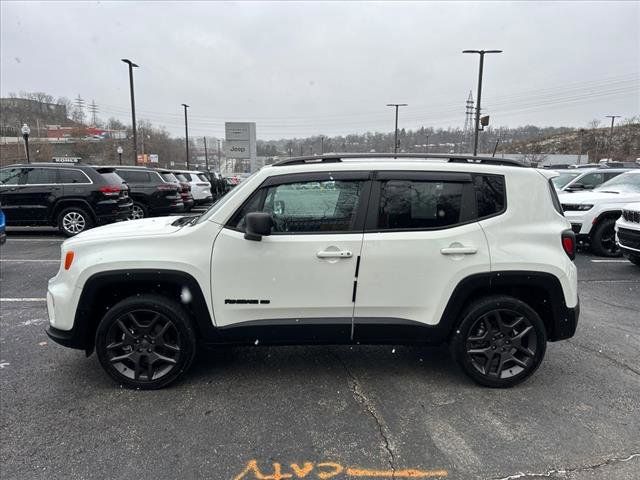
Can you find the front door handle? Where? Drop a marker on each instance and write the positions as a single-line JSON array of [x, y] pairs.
[[461, 250], [334, 254]]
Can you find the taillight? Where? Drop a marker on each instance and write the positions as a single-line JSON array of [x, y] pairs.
[[111, 190], [165, 186], [569, 243], [68, 260]]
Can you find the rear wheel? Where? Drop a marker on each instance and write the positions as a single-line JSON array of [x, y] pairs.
[[138, 211], [145, 342], [499, 342], [603, 240], [74, 220]]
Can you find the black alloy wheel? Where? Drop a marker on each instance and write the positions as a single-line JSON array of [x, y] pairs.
[[145, 342], [603, 241], [500, 341]]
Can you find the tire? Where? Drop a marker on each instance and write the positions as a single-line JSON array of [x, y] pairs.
[[633, 258], [145, 342], [499, 342], [74, 220], [138, 211], [603, 240]]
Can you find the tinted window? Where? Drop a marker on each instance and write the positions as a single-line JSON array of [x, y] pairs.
[[490, 194], [41, 176], [592, 179], [169, 177], [182, 177], [10, 176], [72, 176], [419, 204], [134, 176], [307, 207], [112, 178]]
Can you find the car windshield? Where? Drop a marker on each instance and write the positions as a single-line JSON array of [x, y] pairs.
[[564, 178], [626, 183], [224, 199]]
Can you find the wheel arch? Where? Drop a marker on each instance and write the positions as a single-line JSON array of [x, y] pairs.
[[607, 214], [71, 202], [105, 289], [540, 290]]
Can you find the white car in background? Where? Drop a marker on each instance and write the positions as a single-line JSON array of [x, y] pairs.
[[576, 180], [200, 186], [628, 232], [593, 214]]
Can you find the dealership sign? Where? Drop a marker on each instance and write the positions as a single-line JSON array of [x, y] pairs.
[[240, 140]]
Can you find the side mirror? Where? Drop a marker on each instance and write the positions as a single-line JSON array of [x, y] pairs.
[[257, 225]]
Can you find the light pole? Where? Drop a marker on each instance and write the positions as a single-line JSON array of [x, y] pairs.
[[613, 119], [477, 122], [396, 105], [321, 144], [186, 132], [133, 109], [119, 150], [206, 155], [219, 156], [25, 134]]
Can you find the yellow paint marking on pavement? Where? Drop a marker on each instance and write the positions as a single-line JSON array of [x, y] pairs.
[[408, 473]]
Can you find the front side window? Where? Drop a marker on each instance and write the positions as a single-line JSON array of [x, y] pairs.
[[407, 204], [40, 176], [592, 180], [11, 176], [306, 207]]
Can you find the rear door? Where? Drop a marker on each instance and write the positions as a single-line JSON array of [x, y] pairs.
[[422, 238], [295, 285]]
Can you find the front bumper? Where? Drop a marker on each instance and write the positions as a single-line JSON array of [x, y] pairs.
[[628, 239]]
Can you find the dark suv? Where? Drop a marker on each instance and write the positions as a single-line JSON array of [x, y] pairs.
[[152, 195], [72, 197]]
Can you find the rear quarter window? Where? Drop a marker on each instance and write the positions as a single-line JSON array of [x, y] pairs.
[[72, 176], [169, 177], [490, 195]]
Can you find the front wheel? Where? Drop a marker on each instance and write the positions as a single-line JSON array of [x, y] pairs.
[[145, 342], [603, 241], [499, 342]]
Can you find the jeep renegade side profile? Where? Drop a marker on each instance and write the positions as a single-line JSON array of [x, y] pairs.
[[336, 249]]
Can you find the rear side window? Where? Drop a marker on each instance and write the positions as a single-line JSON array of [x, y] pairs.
[[169, 177], [490, 194], [406, 204], [112, 178], [11, 176], [41, 176], [135, 176], [72, 176]]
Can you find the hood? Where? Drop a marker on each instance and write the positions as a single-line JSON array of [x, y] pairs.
[[145, 227], [598, 197]]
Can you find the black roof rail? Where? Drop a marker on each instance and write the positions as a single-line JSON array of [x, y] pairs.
[[338, 157]]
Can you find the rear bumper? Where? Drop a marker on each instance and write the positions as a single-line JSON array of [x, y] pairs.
[[111, 211], [566, 323]]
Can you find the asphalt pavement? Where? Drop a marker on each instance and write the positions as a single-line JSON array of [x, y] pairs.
[[340, 412]]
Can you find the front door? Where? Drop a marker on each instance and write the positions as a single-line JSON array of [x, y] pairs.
[[422, 237], [295, 285]]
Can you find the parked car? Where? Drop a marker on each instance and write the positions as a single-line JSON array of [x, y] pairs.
[[151, 194], [628, 232], [199, 183], [72, 197], [183, 187], [478, 255], [3, 234], [593, 214], [582, 179]]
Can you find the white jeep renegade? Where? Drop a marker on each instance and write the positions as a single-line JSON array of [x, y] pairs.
[[341, 249]]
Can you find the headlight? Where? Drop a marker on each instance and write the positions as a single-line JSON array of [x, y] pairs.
[[576, 207]]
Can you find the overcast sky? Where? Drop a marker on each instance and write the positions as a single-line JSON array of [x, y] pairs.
[[301, 69]]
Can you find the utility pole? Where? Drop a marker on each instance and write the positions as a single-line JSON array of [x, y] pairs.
[[133, 109], [93, 108], [206, 156], [396, 105], [477, 122], [186, 133], [613, 119], [321, 144]]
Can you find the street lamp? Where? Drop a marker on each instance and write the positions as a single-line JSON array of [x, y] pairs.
[[477, 129], [186, 132], [119, 150], [133, 109], [25, 134], [395, 143]]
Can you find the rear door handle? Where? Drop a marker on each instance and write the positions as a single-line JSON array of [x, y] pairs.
[[334, 254], [458, 250]]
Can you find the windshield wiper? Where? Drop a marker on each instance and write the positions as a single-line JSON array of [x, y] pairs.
[[607, 191]]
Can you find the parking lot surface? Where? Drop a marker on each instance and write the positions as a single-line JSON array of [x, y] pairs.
[[319, 412]]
